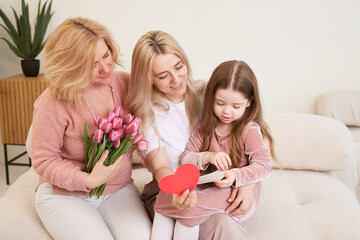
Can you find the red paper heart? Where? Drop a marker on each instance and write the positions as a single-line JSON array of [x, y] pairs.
[[185, 177]]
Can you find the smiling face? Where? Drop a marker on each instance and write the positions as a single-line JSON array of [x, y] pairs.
[[229, 106], [170, 76], [103, 64]]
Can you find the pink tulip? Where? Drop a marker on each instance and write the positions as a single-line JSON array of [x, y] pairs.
[[121, 131], [114, 136], [117, 123], [128, 118], [137, 121], [117, 111], [133, 134], [108, 128], [97, 120], [116, 144], [132, 127], [110, 117], [142, 145], [138, 138], [103, 123], [98, 135]]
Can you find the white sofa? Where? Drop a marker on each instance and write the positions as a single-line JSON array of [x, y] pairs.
[[344, 106], [303, 201]]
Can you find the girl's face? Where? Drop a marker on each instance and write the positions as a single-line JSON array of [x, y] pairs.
[[229, 105], [170, 76], [103, 64]]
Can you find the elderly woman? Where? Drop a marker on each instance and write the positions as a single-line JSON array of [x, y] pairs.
[[80, 56]]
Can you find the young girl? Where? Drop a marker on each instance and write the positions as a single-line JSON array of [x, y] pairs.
[[229, 138]]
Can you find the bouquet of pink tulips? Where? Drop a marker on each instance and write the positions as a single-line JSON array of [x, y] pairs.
[[116, 133]]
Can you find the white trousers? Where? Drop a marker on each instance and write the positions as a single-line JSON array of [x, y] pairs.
[[120, 215], [167, 228]]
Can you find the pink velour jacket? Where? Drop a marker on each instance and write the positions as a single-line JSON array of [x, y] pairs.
[[255, 165]]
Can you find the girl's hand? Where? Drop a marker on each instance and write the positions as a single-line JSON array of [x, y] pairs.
[[185, 201], [221, 160], [102, 174], [241, 199], [229, 179]]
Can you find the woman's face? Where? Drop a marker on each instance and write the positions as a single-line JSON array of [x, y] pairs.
[[170, 76], [103, 64]]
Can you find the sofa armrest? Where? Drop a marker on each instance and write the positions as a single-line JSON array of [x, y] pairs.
[[310, 142]]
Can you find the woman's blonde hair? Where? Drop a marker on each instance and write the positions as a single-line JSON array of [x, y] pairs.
[[238, 76], [69, 57], [142, 93]]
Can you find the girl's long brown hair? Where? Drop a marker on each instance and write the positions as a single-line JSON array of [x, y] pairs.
[[238, 76]]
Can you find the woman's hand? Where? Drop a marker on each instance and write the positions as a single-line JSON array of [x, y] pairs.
[[221, 160], [102, 174], [241, 199], [185, 201], [158, 161], [227, 181]]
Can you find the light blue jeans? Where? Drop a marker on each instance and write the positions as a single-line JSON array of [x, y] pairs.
[[120, 215]]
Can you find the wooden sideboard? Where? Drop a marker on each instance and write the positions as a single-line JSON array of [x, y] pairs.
[[17, 96]]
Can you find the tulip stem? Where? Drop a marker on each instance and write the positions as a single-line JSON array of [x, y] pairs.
[[89, 165]]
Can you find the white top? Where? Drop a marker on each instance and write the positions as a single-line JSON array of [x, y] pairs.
[[173, 126]]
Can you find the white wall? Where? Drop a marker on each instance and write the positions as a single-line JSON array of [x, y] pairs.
[[298, 49]]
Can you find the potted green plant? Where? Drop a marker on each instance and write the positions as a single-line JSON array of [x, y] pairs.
[[22, 44]]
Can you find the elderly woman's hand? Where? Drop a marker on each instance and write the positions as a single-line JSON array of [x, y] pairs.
[[185, 201], [102, 174]]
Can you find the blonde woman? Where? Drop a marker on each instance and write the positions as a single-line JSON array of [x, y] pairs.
[[163, 93], [79, 59]]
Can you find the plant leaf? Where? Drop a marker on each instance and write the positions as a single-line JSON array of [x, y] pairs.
[[100, 150], [16, 19], [87, 140], [13, 33], [42, 21], [89, 164], [7, 22], [16, 40], [25, 31], [21, 35], [13, 48], [123, 148], [101, 190]]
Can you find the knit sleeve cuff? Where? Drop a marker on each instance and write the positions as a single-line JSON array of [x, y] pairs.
[[80, 183]]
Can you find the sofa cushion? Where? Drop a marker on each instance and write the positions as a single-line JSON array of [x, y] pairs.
[[19, 219], [309, 142], [301, 205], [355, 132], [341, 105], [293, 205], [18, 206]]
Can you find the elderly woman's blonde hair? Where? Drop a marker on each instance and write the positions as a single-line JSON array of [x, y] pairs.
[[143, 94], [69, 57]]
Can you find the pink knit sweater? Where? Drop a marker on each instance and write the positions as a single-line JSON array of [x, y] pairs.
[[58, 152], [255, 165]]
